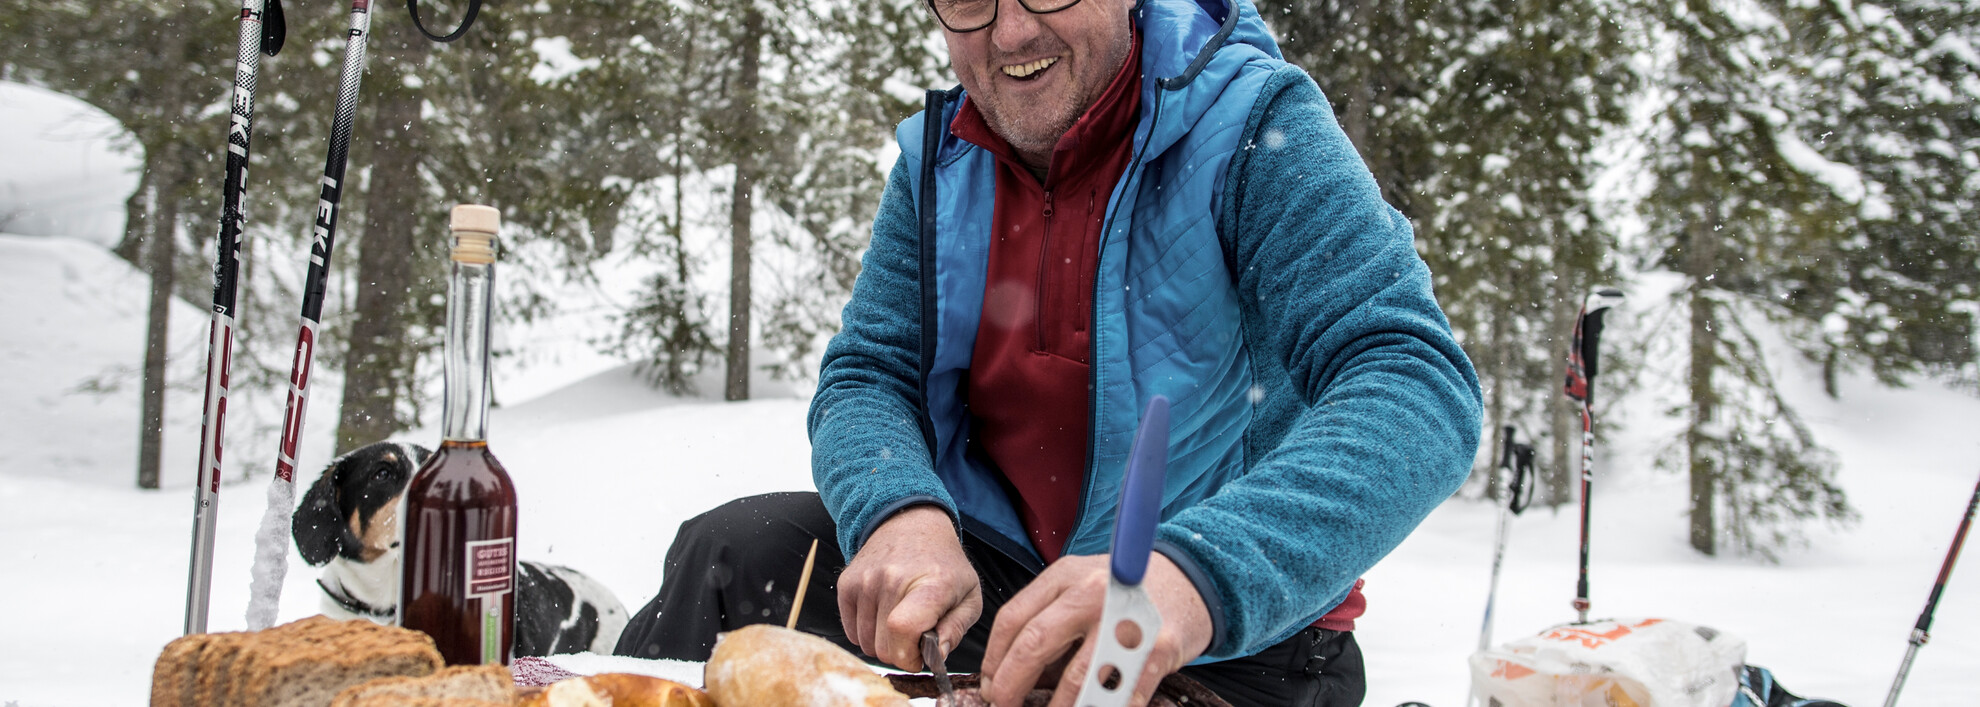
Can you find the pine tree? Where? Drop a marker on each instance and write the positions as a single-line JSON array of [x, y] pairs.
[[1730, 211], [1480, 121], [1899, 133]]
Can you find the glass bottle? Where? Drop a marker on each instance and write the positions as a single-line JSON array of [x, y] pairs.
[[458, 579]]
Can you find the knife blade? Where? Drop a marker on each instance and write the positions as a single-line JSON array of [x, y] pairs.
[[1134, 540], [932, 658]]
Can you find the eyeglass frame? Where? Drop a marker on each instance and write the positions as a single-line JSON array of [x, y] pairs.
[[995, 5]]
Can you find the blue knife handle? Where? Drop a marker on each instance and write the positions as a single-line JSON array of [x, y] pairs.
[[1141, 494]]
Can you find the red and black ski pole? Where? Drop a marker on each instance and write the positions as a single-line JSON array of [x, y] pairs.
[[271, 556], [262, 31], [1581, 370], [1921, 632]]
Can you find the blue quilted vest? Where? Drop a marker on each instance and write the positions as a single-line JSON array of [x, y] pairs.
[[1166, 319]]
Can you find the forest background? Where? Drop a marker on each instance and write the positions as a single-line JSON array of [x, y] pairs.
[[1810, 164]]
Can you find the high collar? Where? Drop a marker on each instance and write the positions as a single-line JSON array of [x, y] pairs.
[[1105, 125]]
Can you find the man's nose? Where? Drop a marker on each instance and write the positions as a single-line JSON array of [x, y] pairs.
[[1015, 28]]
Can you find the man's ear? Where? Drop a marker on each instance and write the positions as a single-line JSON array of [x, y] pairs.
[[319, 526]]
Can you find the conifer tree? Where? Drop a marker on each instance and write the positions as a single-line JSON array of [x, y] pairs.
[[1480, 120], [1730, 211]]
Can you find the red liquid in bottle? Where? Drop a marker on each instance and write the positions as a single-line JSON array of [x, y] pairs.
[[458, 582]]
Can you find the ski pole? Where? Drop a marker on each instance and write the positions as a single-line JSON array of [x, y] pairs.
[[262, 32], [1517, 460], [271, 554], [1581, 370], [1921, 632]]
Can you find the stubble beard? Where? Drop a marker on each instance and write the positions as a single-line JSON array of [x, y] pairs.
[[1036, 129]]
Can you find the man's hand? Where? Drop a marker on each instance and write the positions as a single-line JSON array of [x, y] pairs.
[[910, 577], [1062, 606]]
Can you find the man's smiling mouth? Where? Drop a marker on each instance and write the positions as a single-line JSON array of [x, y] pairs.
[[1027, 71]]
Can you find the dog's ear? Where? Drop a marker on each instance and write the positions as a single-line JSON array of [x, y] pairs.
[[419, 455], [319, 525]]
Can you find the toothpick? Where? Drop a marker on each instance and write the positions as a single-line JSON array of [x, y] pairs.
[[804, 581]]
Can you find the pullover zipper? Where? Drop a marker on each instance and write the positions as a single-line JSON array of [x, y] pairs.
[[1038, 298]]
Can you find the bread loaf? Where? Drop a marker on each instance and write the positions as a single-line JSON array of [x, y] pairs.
[[771, 666], [176, 674], [616, 690], [489, 683], [299, 664]]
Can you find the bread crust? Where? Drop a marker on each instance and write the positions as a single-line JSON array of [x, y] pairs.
[[616, 690], [174, 676], [771, 666], [312, 670], [313, 659]]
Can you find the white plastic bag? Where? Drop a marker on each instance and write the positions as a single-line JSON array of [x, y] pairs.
[[1614, 663]]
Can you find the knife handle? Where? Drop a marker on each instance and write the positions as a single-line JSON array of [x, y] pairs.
[[1141, 494]]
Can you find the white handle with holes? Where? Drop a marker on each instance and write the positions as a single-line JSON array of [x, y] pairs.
[[1126, 603]]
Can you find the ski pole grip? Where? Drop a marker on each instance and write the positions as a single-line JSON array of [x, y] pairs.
[[1141, 495]]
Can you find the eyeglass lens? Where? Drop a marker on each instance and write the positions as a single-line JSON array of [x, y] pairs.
[[972, 15]]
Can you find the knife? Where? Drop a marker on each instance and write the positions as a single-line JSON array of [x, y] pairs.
[[932, 658], [1134, 538]]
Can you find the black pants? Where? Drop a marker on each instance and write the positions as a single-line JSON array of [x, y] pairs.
[[739, 564]]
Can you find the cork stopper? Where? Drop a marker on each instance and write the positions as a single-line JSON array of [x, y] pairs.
[[474, 229]]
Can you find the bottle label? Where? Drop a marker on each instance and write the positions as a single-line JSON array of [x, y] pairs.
[[491, 571], [491, 567]]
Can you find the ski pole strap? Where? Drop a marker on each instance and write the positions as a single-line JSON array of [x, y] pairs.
[[474, 8], [274, 28]]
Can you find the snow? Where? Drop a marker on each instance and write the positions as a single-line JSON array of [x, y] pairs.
[[556, 61], [271, 554], [65, 167]]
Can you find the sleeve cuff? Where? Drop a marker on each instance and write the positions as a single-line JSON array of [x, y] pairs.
[[1211, 601]]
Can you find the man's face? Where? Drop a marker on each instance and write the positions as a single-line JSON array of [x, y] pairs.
[[1033, 76]]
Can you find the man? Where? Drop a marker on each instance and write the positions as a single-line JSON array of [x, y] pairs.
[[1123, 200]]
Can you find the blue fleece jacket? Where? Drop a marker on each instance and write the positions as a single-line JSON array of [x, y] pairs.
[[1249, 271]]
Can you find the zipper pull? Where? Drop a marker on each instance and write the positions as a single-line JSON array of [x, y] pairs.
[[1048, 204]]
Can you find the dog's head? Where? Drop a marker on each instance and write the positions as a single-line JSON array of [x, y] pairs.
[[352, 510]]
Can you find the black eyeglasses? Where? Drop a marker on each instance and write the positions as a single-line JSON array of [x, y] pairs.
[[971, 15]]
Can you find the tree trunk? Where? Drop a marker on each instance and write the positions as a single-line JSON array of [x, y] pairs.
[[740, 207], [137, 211], [1704, 398], [1563, 417], [1497, 372], [161, 247], [1361, 93], [379, 367]]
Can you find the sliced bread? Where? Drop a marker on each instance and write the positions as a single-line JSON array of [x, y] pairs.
[[309, 671], [491, 683]]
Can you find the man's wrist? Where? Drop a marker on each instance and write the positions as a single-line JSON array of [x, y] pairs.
[[919, 518]]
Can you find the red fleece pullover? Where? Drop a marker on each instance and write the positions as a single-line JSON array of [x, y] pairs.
[[1030, 392]]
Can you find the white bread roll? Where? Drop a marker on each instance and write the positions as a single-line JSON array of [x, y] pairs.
[[771, 666]]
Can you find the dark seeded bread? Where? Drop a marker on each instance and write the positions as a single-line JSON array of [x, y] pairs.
[[175, 676], [490, 683], [299, 664], [215, 669], [309, 673]]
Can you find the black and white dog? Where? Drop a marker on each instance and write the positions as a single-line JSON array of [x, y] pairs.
[[349, 525]]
